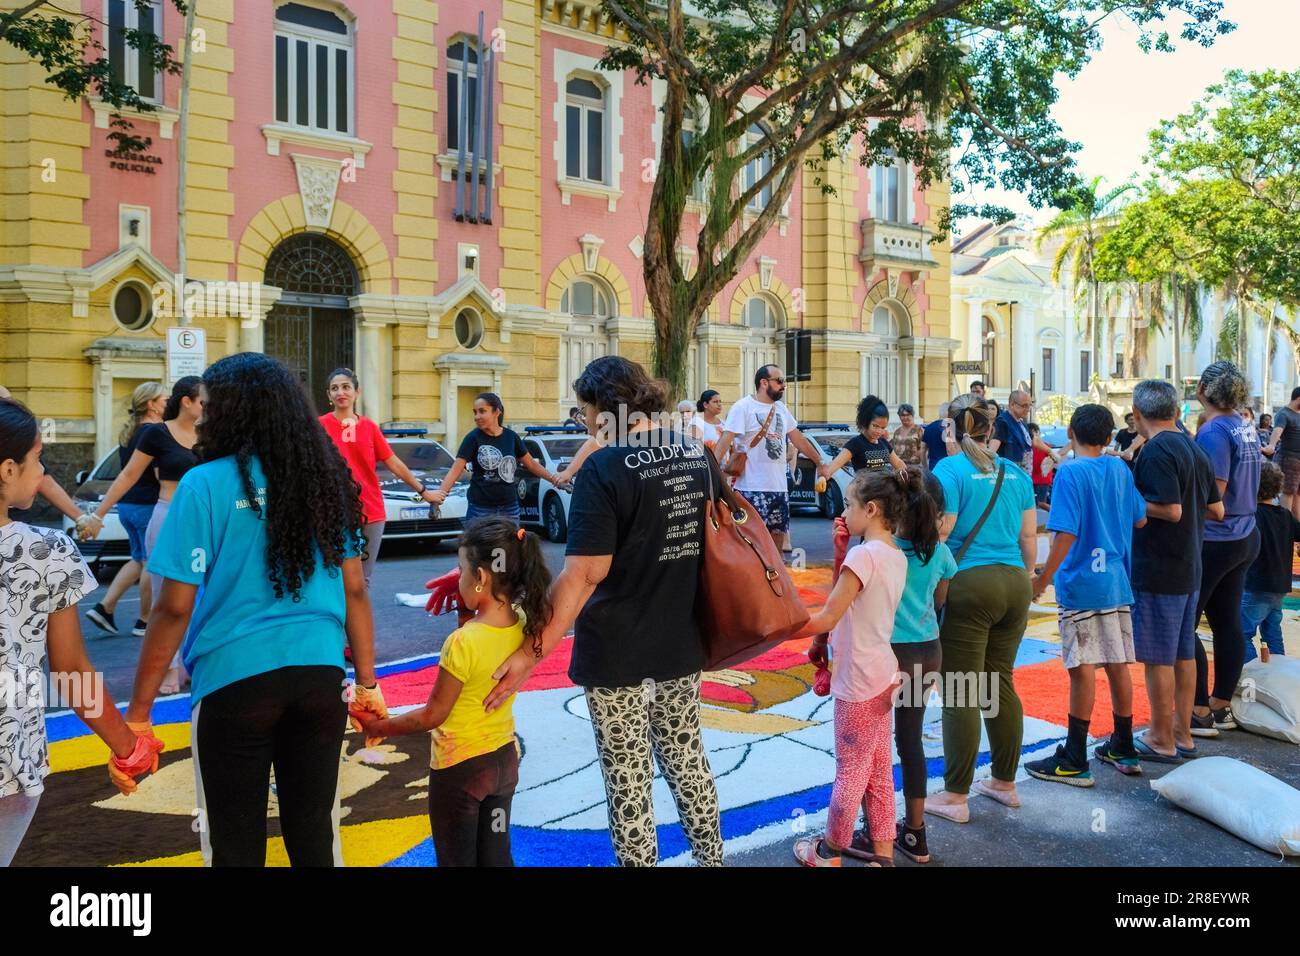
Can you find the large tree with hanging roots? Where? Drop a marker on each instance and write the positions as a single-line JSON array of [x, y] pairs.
[[961, 89]]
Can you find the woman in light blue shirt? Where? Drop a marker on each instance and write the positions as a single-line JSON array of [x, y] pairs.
[[261, 561], [988, 605]]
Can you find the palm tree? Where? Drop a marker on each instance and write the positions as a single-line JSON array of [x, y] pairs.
[[1080, 228]]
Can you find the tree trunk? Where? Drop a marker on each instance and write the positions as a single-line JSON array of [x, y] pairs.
[[1266, 379], [1178, 339]]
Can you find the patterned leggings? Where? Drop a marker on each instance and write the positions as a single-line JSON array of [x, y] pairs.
[[864, 771], [664, 716]]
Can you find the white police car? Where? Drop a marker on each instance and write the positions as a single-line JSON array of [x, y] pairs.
[[405, 513], [540, 502], [830, 439]]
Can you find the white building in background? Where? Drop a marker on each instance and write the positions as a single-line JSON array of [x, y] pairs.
[[1026, 329]]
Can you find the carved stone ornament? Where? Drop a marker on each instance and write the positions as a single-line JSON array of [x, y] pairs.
[[318, 184]]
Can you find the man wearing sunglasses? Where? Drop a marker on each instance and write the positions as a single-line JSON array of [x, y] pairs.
[[760, 425]]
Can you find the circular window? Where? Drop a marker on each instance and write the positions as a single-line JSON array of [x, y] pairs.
[[469, 328], [132, 306]]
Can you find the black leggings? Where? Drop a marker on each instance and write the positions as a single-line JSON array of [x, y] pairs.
[[909, 710], [1223, 579], [291, 719], [469, 809]]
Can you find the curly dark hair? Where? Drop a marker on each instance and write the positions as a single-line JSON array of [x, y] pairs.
[[255, 407], [612, 382], [513, 561], [869, 409]]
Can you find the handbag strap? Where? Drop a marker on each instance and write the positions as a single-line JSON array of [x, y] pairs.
[[988, 509], [763, 430], [719, 490]]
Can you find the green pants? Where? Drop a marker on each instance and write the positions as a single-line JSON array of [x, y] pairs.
[[983, 623]]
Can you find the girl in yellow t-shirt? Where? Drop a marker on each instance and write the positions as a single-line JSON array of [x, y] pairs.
[[475, 760]]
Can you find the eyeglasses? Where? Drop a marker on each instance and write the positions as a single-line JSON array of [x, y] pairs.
[[779, 381]]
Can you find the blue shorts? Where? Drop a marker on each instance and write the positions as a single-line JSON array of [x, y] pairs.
[[135, 519], [510, 511], [773, 507], [1164, 627]]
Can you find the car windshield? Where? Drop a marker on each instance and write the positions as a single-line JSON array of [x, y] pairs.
[[833, 445], [565, 447], [419, 456]]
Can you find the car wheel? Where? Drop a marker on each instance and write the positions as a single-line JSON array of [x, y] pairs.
[[831, 501], [553, 520]]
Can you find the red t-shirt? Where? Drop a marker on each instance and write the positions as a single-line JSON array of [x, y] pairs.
[[1038, 476], [365, 445]]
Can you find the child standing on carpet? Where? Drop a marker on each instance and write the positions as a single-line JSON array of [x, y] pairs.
[[1095, 506], [42, 576], [1269, 579], [930, 565], [475, 759], [860, 617]]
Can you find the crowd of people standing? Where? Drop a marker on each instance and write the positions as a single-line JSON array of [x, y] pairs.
[[258, 525]]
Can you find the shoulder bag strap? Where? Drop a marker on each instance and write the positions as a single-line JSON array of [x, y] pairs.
[[762, 432], [988, 509]]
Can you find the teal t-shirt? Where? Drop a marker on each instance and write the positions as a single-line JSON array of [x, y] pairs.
[[966, 493], [213, 538], [915, 620]]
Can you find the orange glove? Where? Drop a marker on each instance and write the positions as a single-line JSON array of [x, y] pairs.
[[370, 700], [840, 536], [122, 771]]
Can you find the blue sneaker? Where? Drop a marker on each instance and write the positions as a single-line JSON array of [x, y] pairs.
[[1060, 769], [1125, 763]]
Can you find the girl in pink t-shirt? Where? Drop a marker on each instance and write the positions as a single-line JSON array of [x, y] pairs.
[[860, 617]]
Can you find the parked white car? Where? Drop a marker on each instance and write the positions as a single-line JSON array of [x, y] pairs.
[[830, 439], [407, 516], [540, 502]]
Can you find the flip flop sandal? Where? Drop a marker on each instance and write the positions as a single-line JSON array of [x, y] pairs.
[[955, 813], [1008, 798], [805, 851], [1188, 753], [1146, 752]]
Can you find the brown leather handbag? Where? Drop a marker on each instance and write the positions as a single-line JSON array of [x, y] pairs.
[[746, 603], [740, 457]]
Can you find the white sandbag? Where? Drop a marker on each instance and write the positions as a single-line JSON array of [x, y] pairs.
[[1261, 719], [1244, 800], [1275, 684]]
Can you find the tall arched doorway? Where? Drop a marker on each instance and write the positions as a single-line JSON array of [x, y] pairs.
[[311, 328]]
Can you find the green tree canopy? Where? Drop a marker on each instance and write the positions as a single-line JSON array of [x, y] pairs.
[[903, 79]]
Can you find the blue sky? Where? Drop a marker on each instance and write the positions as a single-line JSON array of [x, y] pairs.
[[1124, 93]]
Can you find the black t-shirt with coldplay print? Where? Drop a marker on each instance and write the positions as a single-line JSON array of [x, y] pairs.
[[642, 502]]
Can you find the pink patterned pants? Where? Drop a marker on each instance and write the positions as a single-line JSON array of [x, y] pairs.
[[864, 773]]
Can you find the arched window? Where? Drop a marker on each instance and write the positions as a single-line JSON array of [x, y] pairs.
[[756, 169], [1050, 343], [881, 365], [989, 350], [765, 318], [456, 103], [311, 328], [584, 130], [586, 297], [313, 68], [884, 322], [760, 313]]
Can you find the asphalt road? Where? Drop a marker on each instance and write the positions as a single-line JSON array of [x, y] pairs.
[[400, 632]]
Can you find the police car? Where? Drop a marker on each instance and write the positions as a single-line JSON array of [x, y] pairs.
[[406, 514], [830, 439], [540, 502]]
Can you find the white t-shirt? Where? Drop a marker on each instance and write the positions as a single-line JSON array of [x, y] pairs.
[[704, 431], [765, 469], [863, 664], [41, 571]]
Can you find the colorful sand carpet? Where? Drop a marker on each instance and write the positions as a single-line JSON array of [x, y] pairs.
[[769, 740]]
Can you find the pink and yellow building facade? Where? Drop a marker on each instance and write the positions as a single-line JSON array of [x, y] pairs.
[[321, 224]]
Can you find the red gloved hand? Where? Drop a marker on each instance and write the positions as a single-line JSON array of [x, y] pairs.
[[822, 682], [446, 593], [840, 536], [143, 759]]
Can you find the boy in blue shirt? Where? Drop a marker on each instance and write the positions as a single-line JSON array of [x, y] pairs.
[[1095, 507]]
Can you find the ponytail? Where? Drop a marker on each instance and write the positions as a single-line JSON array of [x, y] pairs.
[[512, 558], [187, 387], [973, 421], [919, 525]]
